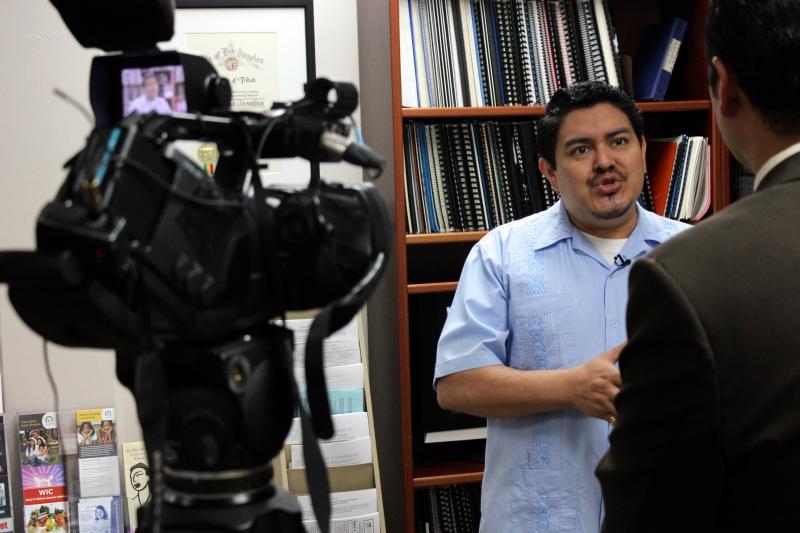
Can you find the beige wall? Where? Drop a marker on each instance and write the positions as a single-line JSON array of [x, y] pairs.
[[38, 132]]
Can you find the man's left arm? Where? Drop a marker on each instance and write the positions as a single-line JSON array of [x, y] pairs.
[[664, 466]]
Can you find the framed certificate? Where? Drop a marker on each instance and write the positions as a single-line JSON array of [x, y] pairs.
[[266, 50]]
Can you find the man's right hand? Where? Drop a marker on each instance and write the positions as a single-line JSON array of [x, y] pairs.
[[498, 391], [597, 382]]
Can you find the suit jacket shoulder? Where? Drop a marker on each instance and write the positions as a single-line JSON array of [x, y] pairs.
[[718, 304]]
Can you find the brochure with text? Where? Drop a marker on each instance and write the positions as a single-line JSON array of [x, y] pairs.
[[137, 478], [98, 461]]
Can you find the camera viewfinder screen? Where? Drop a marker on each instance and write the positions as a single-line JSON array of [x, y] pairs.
[[153, 90]]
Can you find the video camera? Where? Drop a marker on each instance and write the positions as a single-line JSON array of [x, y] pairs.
[[183, 273]]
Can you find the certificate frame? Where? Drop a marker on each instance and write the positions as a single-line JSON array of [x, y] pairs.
[[306, 5], [211, 15]]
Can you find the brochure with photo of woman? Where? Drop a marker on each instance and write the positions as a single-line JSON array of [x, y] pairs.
[[100, 515]]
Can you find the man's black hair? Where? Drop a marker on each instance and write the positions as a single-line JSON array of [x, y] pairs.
[[760, 42], [582, 95]]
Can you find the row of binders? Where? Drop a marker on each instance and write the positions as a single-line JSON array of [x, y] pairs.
[[461, 53], [679, 177], [448, 509], [471, 175], [476, 175]]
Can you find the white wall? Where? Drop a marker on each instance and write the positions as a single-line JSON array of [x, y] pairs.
[[38, 132]]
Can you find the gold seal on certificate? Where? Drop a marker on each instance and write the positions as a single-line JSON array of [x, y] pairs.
[[208, 154]]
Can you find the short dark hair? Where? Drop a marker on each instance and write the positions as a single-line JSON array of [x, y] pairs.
[[582, 95], [760, 42]]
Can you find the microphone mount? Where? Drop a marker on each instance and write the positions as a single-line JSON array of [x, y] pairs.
[[620, 260]]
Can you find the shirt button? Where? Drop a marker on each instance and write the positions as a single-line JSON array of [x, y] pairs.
[[614, 323]]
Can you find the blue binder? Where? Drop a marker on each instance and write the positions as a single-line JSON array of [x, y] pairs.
[[655, 59]]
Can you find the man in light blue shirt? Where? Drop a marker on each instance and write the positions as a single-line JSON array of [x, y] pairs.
[[149, 101], [537, 323]]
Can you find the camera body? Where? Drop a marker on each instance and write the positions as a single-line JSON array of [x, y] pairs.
[[153, 232], [141, 230]]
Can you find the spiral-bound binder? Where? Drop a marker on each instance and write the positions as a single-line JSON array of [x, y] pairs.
[[577, 46], [593, 55], [608, 42], [508, 52], [523, 42], [562, 42]]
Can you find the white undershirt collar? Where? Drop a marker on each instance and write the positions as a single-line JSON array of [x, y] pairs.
[[773, 162], [608, 248]]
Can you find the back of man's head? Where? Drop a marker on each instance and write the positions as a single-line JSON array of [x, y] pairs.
[[581, 95], [760, 41]]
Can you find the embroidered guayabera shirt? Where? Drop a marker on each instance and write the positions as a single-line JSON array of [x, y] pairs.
[[535, 295]]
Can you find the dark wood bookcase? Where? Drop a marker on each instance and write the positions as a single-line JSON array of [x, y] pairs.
[[429, 265]]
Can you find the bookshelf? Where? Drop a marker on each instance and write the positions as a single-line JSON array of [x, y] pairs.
[[429, 264], [537, 110]]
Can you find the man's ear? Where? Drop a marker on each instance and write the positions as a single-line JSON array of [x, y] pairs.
[[644, 153], [548, 172], [727, 90]]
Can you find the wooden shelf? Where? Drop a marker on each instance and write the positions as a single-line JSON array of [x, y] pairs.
[[447, 473], [427, 288], [473, 112], [666, 107], [444, 238], [537, 110]]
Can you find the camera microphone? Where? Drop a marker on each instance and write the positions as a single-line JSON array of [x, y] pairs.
[[317, 140], [351, 151]]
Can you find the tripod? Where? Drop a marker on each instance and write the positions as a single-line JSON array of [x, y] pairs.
[[264, 510], [213, 417]]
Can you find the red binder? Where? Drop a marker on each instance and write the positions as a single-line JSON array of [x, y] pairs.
[[660, 163]]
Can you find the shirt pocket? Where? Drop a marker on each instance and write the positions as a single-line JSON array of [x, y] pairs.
[[542, 332], [545, 501]]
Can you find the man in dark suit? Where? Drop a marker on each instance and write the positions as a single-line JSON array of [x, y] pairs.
[[707, 436]]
